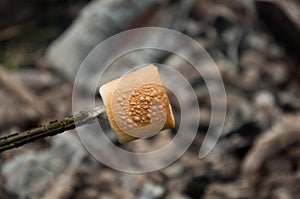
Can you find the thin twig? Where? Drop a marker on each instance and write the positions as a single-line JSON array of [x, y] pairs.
[[51, 129]]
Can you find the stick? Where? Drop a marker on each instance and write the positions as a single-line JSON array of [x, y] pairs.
[[51, 129]]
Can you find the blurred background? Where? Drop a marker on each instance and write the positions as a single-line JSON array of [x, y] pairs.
[[256, 46]]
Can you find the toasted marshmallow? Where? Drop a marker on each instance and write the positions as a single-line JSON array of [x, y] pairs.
[[137, 104]]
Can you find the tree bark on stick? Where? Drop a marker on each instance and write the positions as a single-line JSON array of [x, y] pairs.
[[52, 128]]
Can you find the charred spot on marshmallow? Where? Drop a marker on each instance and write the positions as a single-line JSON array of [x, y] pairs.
[[145, 104]]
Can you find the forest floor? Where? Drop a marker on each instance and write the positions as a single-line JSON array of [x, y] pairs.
[[256, 46]]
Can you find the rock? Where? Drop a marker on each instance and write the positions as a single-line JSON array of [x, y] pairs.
[[257, 41], [96, 22], [31, 174], [193, 28], [264, 100], [151, 191], [22, 172]]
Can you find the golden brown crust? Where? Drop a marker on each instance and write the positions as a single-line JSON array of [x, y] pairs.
[[137, 104]]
